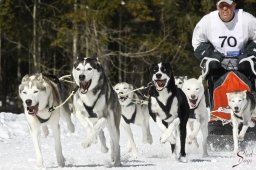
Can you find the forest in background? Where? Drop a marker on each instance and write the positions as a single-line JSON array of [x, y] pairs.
[[126, 35]]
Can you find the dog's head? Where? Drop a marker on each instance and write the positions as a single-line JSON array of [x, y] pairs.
[[34, 92], [162, 75], [86, 73], [194, 90], [125, 95], [179, 80], [237, 100]]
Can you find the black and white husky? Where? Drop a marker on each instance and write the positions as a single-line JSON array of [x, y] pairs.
[[39, 94], [168, 106], [243, 110], [133, 112], [96, 105]]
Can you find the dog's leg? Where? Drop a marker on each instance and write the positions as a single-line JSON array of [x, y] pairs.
[[131, 143], [189, 130], [147, 137], [204, 129], [104, 148], [183, 134], [235, 134], [67, 116], [242, 132], [164, 137], [100, 124], [114, 132], [34, 129], [45, 131], [196, 128], [58, 149]]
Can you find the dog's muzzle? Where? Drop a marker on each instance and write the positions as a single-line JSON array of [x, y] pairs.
[[193, 101], [122, 97], [84, 86], [32, 110]]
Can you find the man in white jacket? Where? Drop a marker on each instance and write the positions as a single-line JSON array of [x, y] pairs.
[[226, 33]]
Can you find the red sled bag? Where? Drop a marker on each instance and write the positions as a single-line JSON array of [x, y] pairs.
[[229, 82]]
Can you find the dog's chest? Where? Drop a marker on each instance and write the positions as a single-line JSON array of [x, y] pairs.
[[92, 104], [164, 107]]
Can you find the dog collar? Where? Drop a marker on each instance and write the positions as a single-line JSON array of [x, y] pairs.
[[239, 117]]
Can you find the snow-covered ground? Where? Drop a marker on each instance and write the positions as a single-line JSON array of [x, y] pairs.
[[17, 152]]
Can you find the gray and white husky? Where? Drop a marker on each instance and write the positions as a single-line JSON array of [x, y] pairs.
[[198, 116], [243, 110], [96, 105], [133, 112], [39, 94]]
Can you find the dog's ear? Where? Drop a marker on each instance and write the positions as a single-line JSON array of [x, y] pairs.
[[245, 93], [25, 78], [200, 78], [228, 95]]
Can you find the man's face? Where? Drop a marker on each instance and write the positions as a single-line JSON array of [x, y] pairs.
[[226, 11]]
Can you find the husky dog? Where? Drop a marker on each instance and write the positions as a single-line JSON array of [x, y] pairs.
[[198, 117], [39, 94], [242, 105], [133, 111], [168, 106], [96, 105], [179, 80]]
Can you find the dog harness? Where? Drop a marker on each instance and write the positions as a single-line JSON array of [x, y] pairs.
[[166, 108], [132, 120], [192, 114], [89, 109]]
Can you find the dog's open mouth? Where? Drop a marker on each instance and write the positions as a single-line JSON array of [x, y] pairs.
[[32, 110], [160, 84], [193, 102], [123, 98], [84, 86]]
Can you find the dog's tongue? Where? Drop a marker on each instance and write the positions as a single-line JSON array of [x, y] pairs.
[[160, 83], [84, 86], [33, 109], [193, 102]]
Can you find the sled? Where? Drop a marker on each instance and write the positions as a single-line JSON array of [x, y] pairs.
[[229, 82]]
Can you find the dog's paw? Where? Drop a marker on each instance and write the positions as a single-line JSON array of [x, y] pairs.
[[61, 161], [87, 143], [183, 159], [104, 149], [164, 137], [240, 137]]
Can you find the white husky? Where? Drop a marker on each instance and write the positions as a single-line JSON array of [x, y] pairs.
[[242, 105], [198, 117], [133, 112], [38, 94], [96, 105]]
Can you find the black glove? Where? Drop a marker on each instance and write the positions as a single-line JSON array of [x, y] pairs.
[[206, 49]]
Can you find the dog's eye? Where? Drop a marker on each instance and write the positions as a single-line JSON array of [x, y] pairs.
[[163, 70], [188, 89], [155, 69], [24, 92], [78, 69], [197, 88], [89, 69], [35, 92], [125, 88], [117, 89]]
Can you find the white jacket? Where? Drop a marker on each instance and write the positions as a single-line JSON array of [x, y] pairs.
[[228, 38]]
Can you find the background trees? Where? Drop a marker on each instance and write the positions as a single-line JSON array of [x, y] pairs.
[[126, 35]]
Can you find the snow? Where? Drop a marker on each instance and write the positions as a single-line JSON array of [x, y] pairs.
[[17, 152]]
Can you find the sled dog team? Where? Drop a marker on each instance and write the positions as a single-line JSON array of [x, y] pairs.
[[180, 112]]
